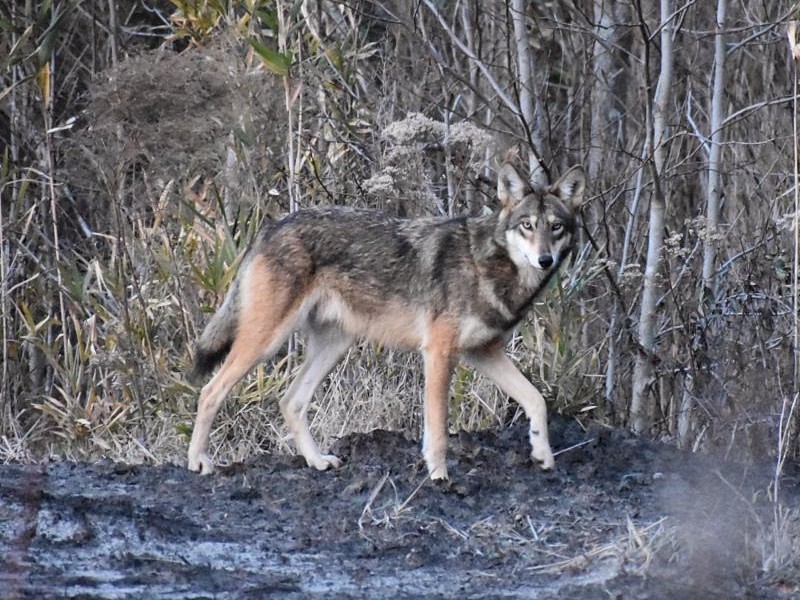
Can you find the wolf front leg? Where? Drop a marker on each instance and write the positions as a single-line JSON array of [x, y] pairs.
[[496, 365], [438, 352]]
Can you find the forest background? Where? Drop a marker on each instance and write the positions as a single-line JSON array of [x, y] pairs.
[[143, 143]]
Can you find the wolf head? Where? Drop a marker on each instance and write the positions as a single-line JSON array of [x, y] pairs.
[[539, 221]]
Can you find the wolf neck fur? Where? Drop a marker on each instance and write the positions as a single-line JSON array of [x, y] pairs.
[[495, 254]]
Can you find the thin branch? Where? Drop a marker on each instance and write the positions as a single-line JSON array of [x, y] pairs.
[[510, 103]]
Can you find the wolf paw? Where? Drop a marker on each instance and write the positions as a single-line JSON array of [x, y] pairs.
[[323, 462], [543, 458], [438, 472], [201, 463]]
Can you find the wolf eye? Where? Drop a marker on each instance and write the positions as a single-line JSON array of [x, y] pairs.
[[526, 224], [556, 227]]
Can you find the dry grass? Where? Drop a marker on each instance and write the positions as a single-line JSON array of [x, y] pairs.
[[633, 551]]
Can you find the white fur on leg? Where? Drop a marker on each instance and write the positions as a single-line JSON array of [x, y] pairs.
[[323, 462], [437, 465], [435, 458], [200, 462], [325, 347], [540, 450], [499, 368]]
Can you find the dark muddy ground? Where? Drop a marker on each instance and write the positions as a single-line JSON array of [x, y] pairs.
[[619, 518]]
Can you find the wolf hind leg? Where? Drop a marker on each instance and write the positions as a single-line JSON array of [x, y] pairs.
[[249, 347], [326, 345], [236, 366], [263, 327], [498, 367]]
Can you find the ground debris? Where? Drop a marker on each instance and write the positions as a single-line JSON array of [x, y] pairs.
[[619, 517]]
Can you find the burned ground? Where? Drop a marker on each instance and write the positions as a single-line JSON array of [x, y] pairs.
[[620, 517]]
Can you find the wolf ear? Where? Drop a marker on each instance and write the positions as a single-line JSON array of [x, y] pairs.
[[570, 187], [511, 187]]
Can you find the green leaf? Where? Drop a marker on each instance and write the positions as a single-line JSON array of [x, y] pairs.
[[219, 7], [273, 60], [269, 18], [336, 57], [184, 429]]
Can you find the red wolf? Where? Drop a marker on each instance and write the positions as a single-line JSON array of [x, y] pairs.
[[450, 288]]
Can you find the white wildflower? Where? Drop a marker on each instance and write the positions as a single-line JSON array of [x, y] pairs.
[[415, 128], [468, 134], [379, 184]]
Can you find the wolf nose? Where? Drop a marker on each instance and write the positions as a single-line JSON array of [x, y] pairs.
[[545, 261]]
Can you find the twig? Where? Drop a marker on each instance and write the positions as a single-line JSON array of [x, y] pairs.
[[372, 495], [574, 446]]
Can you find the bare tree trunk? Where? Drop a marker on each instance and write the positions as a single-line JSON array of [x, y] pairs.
[[607, 130], [608, 87], [470, 95], [526, 85], [113, 27], [715, 155], [529, 105], [708, 285], [448, 162], [292, 90], [644, 372]]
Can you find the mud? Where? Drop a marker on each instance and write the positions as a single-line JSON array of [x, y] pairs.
[[620, 517]]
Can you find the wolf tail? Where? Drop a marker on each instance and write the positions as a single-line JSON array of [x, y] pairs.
[[218, 336]]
